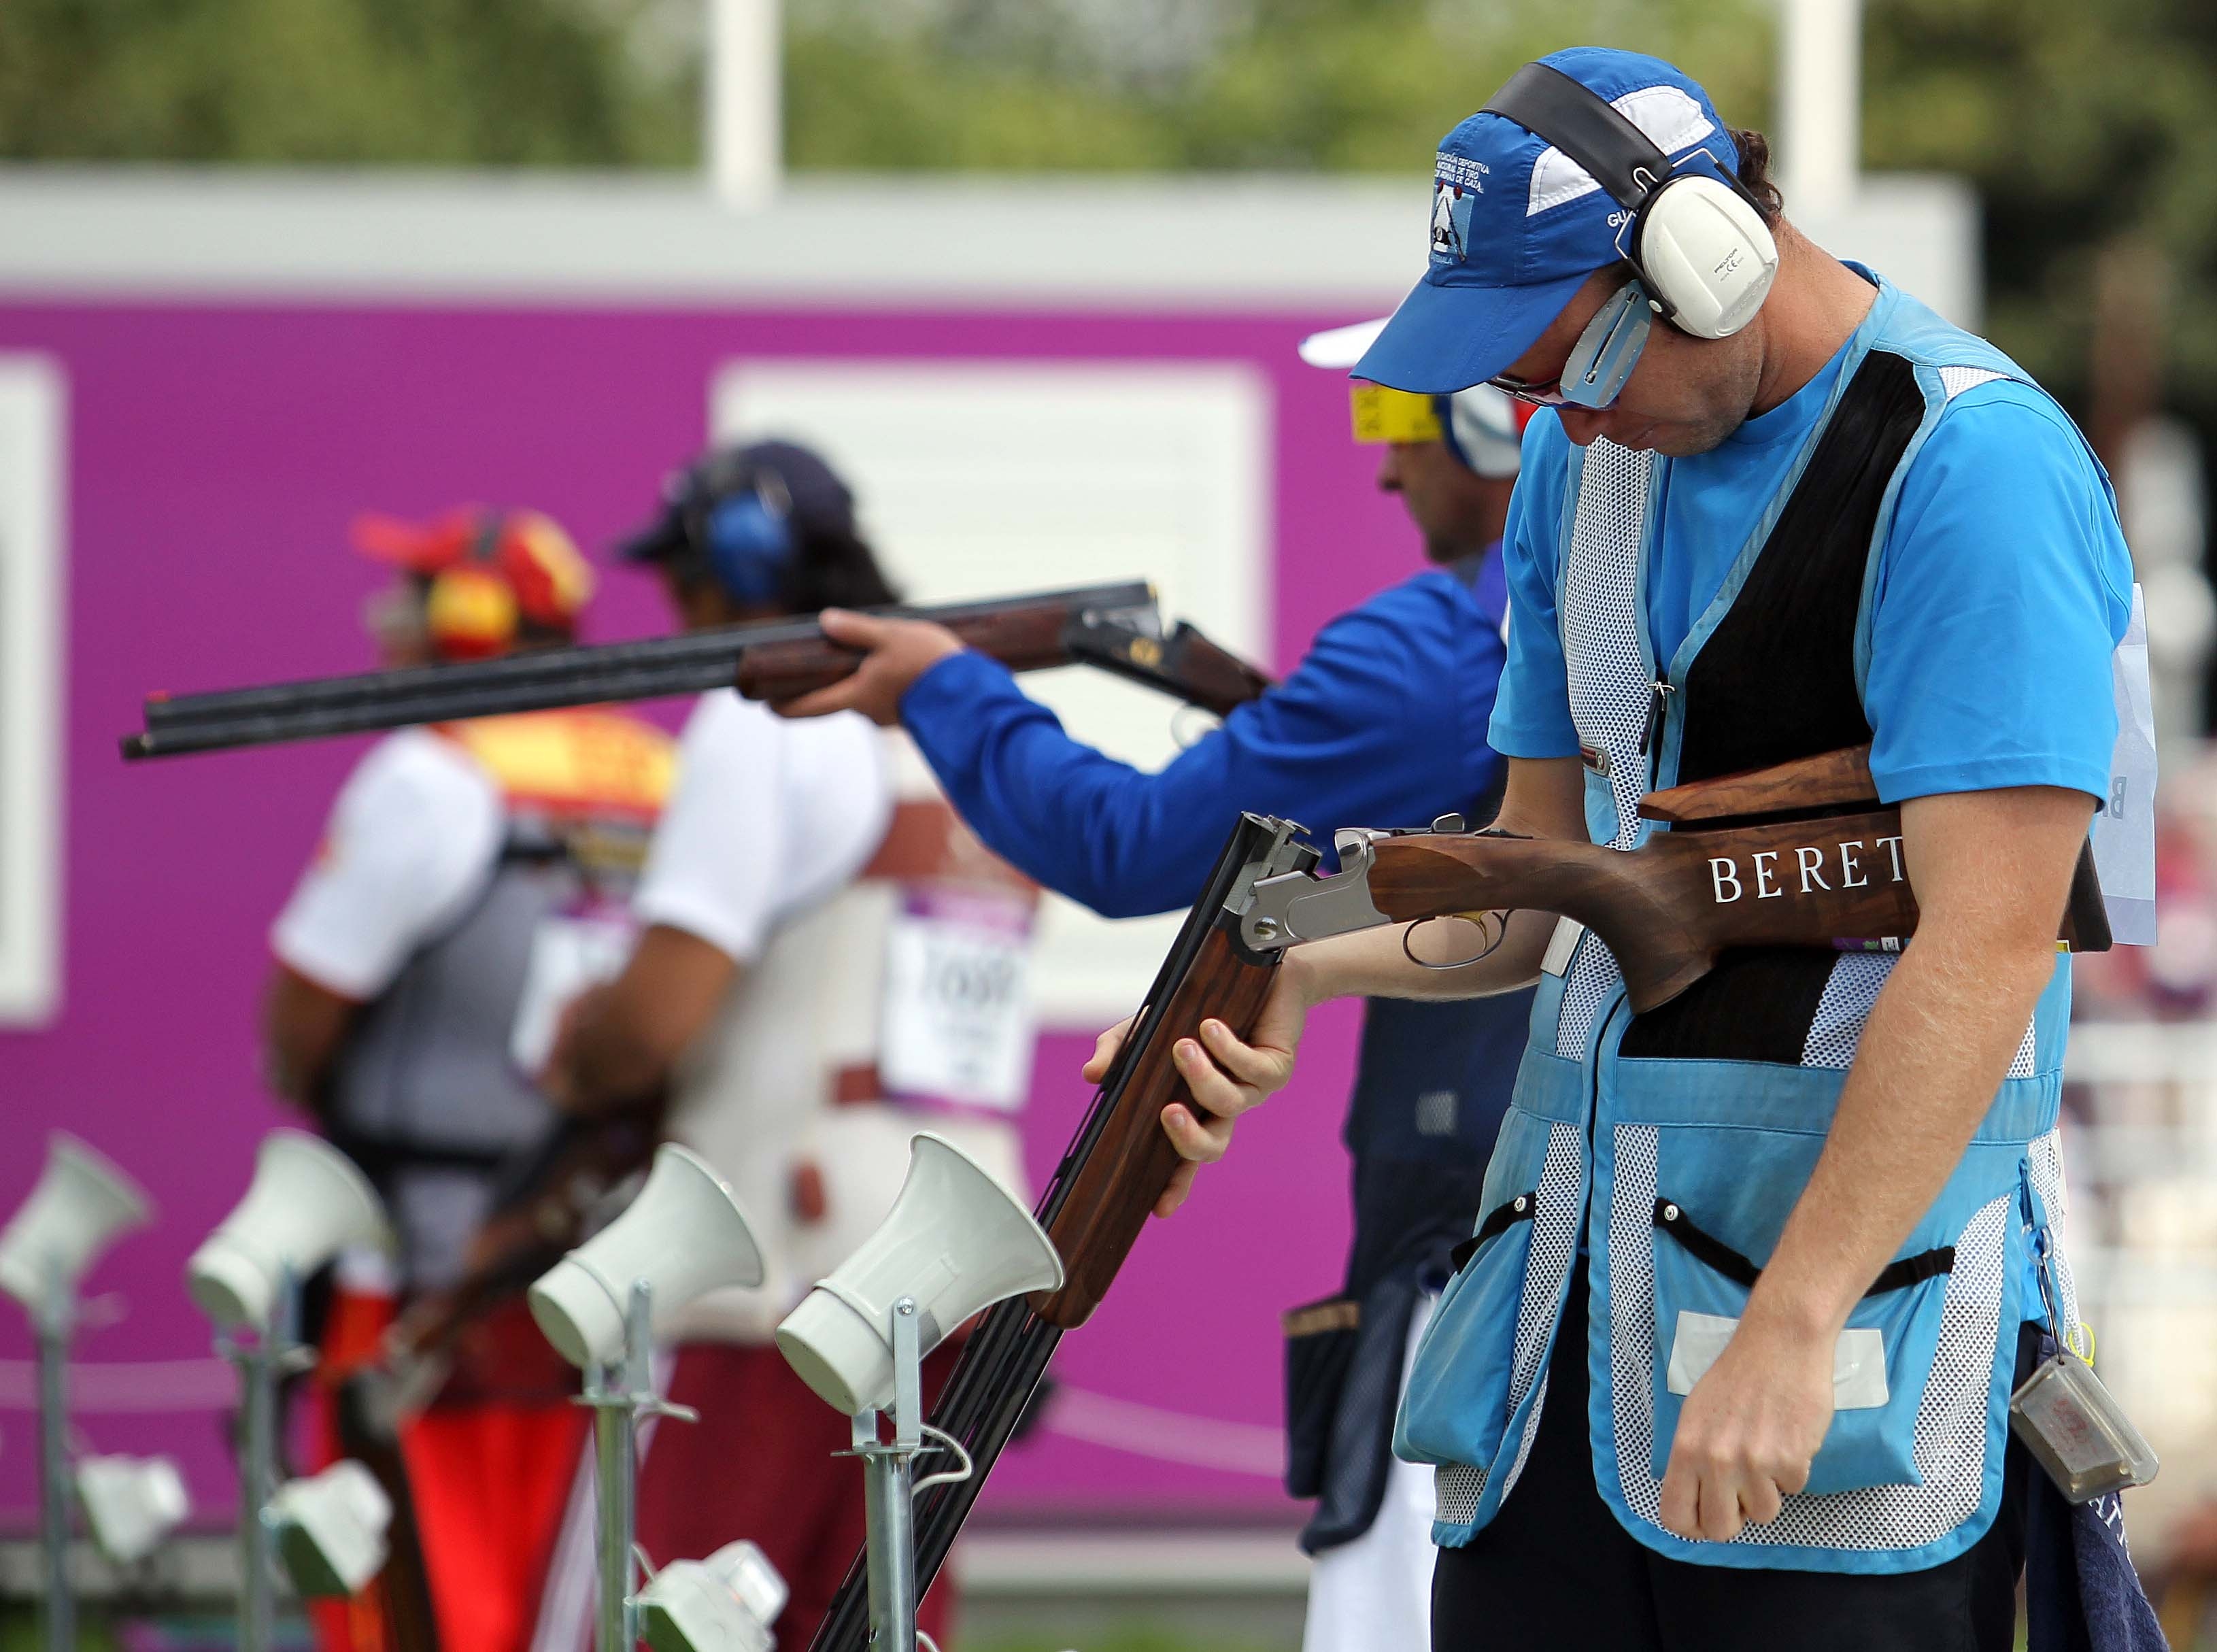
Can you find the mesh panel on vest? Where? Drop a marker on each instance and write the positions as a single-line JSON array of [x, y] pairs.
[[1850, 991], [1456, 1487], [1524, 1446], [1949, 1443], [1555, 1244], [1593, 977], [1954, 381], [1835, 1031], [2049, 1181], [1609, 683]]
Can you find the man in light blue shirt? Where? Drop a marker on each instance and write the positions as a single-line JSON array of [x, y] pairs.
[[1728, 1364]]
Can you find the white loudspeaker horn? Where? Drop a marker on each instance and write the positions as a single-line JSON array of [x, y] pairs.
[[725, 1603], [956, 1240], [329, 1529], [306, 1203], [131, 1503], [82, 1204], [684, 1234]]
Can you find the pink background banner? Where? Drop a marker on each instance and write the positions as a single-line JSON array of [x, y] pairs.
[[216, 455]]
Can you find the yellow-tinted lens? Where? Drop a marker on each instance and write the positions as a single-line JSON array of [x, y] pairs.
[[1383, 415]]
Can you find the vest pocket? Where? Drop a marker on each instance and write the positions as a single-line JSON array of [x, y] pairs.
[[1476, 1371], [1880, 1366]]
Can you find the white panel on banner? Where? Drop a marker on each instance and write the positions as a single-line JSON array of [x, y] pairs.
[[978, 478], [31, 616]]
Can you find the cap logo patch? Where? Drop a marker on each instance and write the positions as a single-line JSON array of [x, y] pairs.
[[1457, 182], [1451, 222]]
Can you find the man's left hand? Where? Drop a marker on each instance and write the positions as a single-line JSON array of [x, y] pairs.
[[1748, 1433], [897, 653]]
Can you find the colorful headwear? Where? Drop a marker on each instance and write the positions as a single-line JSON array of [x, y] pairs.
[[491, 573], [1481, 427], [1517, 225]]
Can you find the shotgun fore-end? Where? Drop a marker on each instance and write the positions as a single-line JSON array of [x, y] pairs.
[[1023, 636], [1132, 1160]]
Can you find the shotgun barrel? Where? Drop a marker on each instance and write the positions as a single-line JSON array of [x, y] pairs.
[[1027, 631]]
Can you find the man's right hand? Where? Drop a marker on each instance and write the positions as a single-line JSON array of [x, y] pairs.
[[1224, 1075]]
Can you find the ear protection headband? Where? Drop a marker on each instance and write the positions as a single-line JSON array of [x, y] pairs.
[[741, 523], [1696, 239]]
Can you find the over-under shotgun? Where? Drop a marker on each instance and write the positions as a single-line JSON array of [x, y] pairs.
[[1801, 856], [1748, 863], [1115, 626]]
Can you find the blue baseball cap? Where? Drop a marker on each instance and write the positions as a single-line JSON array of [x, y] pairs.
[[1518, 225]]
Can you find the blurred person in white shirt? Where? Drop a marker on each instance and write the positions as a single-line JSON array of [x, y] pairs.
[[803, 928]]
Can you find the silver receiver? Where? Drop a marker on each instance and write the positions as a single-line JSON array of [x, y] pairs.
[[1289, 856], [1300, 905]]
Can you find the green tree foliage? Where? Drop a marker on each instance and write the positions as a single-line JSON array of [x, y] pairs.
[[1276, 85], [346, 82], [2082, 123], [2083, 126]]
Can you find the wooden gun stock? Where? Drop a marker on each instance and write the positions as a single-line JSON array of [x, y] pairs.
[[1668, 909], [1830, 780]]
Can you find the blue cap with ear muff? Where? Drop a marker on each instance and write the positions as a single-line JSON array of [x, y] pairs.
[[746, 538], [742, 515]]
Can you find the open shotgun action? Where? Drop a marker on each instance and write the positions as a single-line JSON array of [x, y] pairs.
[[1116, 627]]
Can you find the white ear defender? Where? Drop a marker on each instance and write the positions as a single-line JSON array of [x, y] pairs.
[[1699, 246]]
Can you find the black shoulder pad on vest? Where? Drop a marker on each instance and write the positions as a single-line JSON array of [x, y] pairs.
[[1776, 681]]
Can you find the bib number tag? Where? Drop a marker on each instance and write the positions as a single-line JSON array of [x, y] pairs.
[[957, 1022], [568, 955]]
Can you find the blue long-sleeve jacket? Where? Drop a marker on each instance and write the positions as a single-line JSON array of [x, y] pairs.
[[1383, 723]]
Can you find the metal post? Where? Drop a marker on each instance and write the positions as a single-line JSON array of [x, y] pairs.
[[256, 1612], [57, 1319], [889, 1500], [618, 1395], [261, 1364]]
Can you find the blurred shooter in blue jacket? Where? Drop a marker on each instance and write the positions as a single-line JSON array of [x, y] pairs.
[[1382, 724]]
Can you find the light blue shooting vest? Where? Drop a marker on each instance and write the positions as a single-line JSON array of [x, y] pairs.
[[1677, 1142]]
